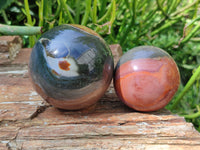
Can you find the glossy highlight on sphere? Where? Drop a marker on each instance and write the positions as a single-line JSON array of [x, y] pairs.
[[146, 78], [71, 67]]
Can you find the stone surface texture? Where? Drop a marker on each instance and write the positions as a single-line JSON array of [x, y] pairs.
[[9, 48]]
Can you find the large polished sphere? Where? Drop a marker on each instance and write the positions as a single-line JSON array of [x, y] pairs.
[[71, 67], [146, 78]]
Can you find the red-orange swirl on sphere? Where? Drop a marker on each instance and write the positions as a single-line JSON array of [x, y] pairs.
[[147, 84]]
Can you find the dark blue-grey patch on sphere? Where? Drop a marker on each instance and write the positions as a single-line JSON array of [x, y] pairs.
[[141, 52], [86, 54]]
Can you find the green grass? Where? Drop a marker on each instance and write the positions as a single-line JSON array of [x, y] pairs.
[[173, 25], [189, 106]]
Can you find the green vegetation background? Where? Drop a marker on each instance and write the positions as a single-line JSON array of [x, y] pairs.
[[173, 25]]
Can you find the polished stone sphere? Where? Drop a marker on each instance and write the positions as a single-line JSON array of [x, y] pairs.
[[71, 67], [146, 78]]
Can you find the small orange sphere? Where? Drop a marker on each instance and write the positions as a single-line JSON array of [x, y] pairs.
[[146, 78]]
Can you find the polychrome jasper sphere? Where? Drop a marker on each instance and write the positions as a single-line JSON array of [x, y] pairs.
[[71, 67], [146, 78]]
